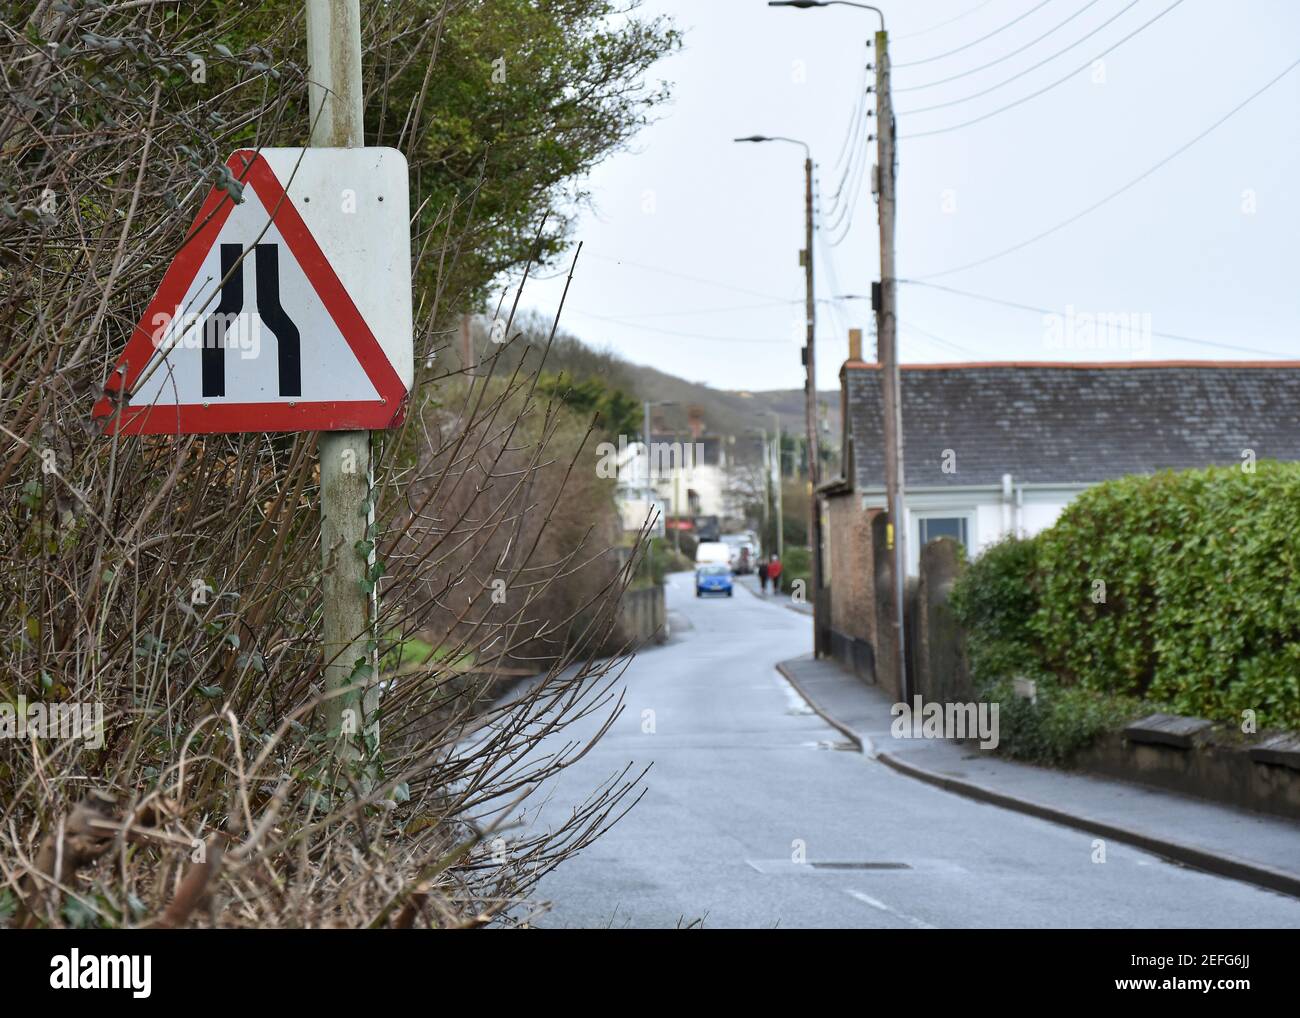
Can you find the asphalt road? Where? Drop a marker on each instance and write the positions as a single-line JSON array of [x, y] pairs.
[[745, 778]]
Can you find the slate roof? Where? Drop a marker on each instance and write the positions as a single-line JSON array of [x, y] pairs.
[[1074, 423]]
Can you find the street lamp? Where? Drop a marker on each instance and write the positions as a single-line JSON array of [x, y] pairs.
[[805, 4], [810, 382], [886, 324]]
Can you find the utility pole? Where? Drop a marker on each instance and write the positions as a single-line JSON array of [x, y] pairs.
[[346, 470], [780, 510], [810, 406], [886, 319], [887, 347]]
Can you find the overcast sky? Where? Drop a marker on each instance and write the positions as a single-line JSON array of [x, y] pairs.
[[690, 257]]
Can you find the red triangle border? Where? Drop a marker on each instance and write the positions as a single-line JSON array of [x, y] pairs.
[[227, 418]]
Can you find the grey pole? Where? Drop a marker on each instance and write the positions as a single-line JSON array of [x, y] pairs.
[[346, 471], [887, 343]]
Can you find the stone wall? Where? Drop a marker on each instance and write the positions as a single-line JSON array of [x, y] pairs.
[[642, 616], [938, 656], [1217, 764]]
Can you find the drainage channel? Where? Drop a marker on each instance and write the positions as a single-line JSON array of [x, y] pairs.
[[859, 865], [810, 867]]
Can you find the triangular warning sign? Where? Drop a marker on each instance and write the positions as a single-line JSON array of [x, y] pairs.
[[258, 323]]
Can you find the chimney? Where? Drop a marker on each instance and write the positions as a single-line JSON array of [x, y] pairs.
[[695, 420], [855, 344]]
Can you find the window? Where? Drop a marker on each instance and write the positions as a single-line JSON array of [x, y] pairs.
[[933, 527]]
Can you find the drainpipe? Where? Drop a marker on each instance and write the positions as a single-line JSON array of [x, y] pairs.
[[1006, 504]]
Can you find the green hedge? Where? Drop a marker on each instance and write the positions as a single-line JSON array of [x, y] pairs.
[[1178, 590], [995, 600], [1201, 601]]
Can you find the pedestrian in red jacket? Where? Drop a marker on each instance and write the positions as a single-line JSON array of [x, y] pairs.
[[774, 574]]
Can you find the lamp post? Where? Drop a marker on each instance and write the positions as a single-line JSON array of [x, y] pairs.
[[772, 507], [810, 378], [886, 322], [777, 495]]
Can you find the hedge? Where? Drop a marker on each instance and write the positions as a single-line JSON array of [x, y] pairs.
[[1182, 587], [1179, 589], [995, 600]]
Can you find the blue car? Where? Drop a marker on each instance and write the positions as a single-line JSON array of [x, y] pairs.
[[713, 579]]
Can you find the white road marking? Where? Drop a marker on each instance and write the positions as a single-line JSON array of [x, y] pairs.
[[874, 903]]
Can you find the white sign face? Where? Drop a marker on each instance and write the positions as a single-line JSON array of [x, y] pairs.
[[287, 310]]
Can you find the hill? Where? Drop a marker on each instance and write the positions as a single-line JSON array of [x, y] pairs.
[[725, 411]]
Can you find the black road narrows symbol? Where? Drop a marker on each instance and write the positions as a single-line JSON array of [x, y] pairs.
[[270, 311], [214, 332], [288, 341]]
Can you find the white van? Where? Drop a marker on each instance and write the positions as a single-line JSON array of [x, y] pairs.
[[713, 552]]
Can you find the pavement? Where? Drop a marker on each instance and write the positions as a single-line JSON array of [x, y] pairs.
[[759, 813], [1231, 842], [750, 583]]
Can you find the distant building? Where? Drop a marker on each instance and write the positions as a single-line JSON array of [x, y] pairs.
[[639, 504], [690, 474]]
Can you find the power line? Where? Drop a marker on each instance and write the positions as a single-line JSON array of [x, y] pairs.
[[715, 311], [680, 275], [1027, 70], [1008, 56], [849, 207], [849, 168], [1048, 88], [944, 24], [852, 209], [1132, 183], [828, 260], [956, 347], [856, 150], [1051, 311], [674, 332], [853, 123], [959, 49]]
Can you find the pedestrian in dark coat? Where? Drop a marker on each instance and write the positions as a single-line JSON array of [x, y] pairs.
[[762, 576]]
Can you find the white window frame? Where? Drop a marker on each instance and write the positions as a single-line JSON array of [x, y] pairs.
[[968, 513]]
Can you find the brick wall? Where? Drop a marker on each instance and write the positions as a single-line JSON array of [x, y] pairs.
[[852, 596]]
